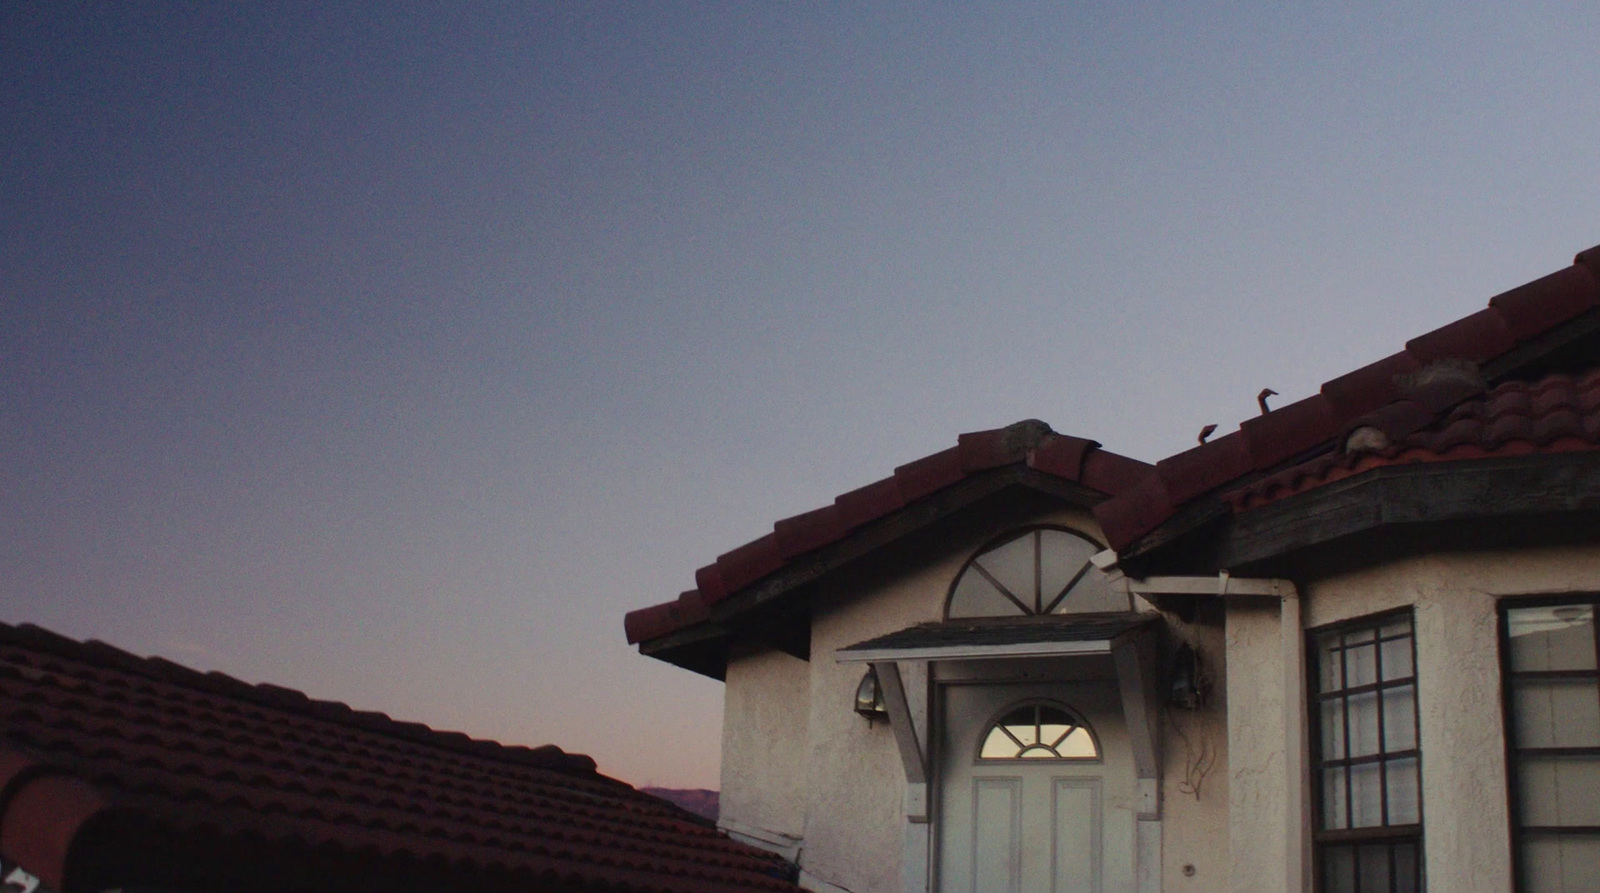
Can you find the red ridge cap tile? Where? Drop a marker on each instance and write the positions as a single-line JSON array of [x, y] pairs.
[[658, 620], [1532, 309], [42, 819], [995, 447], [929, 474], [1111, 473], [869, 503], [1134, 512], [1203, 468], [1291, 429], [1589, 258], [750, 562], [1398, 419], [810, 530], [1438, 394], [1482, 336], [1369, 387], [709, 581], [979, 450], [1061, 456]]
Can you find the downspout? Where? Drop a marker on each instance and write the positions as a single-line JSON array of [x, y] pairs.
[[1297, 822]]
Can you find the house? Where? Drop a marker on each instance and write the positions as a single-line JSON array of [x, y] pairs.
[[137, 774], [1350, 646]]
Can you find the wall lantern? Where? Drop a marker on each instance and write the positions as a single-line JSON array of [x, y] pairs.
[[1184, 690], [869, 697]]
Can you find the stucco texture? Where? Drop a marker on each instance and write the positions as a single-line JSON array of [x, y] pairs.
[[764, 754]]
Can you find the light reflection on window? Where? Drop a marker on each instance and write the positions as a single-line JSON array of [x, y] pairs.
[[1038, 732]]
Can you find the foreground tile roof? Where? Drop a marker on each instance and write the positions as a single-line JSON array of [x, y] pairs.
[[1029, 443], [1559, 413], [92, 737], [1263, 445]]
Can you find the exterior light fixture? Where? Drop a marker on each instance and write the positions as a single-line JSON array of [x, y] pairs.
[[1184, 690], [869, 697]]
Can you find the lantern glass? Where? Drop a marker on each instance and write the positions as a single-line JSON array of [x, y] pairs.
[[869, 697]]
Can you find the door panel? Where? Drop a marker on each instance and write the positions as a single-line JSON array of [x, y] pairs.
[[996, 835], [1076, 854]]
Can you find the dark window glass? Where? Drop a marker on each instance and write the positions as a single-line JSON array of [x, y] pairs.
[[1553, 689], [1367, 758]]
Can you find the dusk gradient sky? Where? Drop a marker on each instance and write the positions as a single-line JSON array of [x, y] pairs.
[[393, 351]]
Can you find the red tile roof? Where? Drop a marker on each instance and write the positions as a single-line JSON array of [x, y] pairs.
[[1264, 443], [1559, 413], [1030, 444], [91, 736]]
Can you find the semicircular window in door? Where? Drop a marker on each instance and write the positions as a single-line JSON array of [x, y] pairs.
[[1041, 570], [1038, 732]]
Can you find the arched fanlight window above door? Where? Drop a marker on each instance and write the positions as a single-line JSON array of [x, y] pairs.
[[1041, 570], [1038, 731]]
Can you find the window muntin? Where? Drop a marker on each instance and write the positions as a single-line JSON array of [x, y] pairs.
[[1553, 701], [1367, 762], [1038, 731], [1042, 570]]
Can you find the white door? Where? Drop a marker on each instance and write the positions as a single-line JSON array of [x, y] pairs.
[[1036, 790]]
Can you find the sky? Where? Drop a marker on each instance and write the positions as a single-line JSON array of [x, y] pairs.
[[393, 352]]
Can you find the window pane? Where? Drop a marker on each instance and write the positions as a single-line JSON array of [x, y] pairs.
[[1012, 564], [996, 746], [1333, 729], [1027, 734], [1093, 593], [1404, 794], [1339, 869], [1063, 556], [1559, 790], [1561, 864], [1406, 877], [1363, 719], [1360, 663], [1552, 638], [1396, 626], [1078, 744], [975, 597], [1373, 868], [1557, 713], [1328, 662], [1399, 718], [1396, 659], [1366, 795], [1333, 799], [1051, 735]]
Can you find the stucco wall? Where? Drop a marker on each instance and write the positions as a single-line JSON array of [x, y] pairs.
[[764, 743], [1454, 596], [1257, 789], [1195, 775]]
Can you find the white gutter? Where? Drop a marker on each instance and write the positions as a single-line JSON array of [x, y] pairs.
[[1297, 821]]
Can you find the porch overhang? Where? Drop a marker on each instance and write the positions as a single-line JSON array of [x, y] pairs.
[[991, 638], [1130, 639]]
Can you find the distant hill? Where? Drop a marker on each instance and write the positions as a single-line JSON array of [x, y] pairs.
[[698, 801]]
